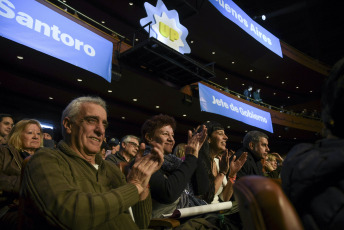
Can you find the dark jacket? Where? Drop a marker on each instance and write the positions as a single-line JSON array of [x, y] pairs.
[[252, 166], [115, 158], [10, 166], [313, 179]]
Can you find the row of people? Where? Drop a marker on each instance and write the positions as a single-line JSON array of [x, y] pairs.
[[72, 187], [54, 175]]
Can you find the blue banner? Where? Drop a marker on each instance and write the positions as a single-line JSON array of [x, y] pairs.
[[35, 25], [231, 11], [215, 102]]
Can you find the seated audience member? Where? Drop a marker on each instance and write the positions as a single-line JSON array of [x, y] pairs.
[[312, 174], [255, 143], [24, 140], [179, 151], [72, 187], [6, 125], [103, 149], [248, 93], [271, 168], [113, 146], [256, 96], [169, 183], [128, 150], [48, 138], [216, 159]]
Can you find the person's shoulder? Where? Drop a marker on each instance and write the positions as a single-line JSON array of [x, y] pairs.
[[298, 151], [112, 158], [241, 151]]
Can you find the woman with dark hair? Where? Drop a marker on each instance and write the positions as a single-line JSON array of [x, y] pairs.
[[24, 140], [168, 185], [216, 159]]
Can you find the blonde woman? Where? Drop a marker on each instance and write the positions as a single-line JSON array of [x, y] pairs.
[[24, 140]]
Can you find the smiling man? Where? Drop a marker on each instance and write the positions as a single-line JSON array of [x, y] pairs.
[[72, 187], [256, 144]]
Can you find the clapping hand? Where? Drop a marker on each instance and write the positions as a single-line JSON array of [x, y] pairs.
[[236, 164], [224, 163], [145, 166], [195, 141]]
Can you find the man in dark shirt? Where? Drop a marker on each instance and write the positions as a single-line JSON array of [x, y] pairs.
[[255, 143], [128, 150]]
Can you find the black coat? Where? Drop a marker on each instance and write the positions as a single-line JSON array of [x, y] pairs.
[[313, 179]]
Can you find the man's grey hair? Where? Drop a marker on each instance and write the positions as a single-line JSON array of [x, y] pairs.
[[253, 136], [126, 138], [73, 108]]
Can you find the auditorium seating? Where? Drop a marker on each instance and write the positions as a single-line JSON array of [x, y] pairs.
[[264, 206]]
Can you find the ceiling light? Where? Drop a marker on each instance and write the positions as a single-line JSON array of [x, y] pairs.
[[134, 99], [20, 57], [213, 52], [245, 131], [191, 42], [103, 22], [288, 97], [251, 70], [282, 82], [123, 118], [297, 87], [279, 136], [50, 98], [157, 106], [208, 121], [274, 93], [64, 1], [79, 79], [136, 39], [131, 3], [184, 115], [109, 91], [311, 91], [242, 84], [228, 127], [267, 77], [294, 138], [263, 17], [233, 62], [226, 78]]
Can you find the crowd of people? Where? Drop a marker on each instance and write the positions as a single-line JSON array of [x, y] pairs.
[[79, 182]]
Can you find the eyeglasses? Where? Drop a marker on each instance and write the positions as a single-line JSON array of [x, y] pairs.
[[133, 143]]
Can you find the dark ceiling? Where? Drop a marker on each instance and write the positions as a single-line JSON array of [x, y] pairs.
[[311, 27]]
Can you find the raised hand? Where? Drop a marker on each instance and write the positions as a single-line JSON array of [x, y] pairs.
[[195, 141], [224, 162], [236, 164], [268, 166], [278, 157], [145, 166]]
